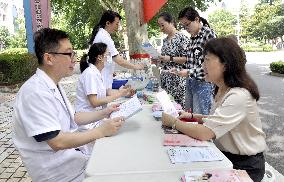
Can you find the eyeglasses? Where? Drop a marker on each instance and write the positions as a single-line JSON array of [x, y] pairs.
[[72, 54], [185, 26]]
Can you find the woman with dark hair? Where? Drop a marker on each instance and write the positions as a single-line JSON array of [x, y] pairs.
[[107, 25], [198, 91], [92, 94], [174, 51], [234, 122]]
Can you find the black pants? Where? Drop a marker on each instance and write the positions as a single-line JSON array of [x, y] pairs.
[[253, 164]]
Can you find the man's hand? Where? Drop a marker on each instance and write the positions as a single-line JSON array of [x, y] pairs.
[[111, 126]]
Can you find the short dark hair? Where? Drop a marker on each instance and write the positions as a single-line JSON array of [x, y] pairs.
[[95, 50], [234, 60], [168, 18], [47, 40]]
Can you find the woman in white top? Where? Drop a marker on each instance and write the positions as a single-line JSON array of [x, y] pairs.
[[234, 120], [107, 25], [91, 92]]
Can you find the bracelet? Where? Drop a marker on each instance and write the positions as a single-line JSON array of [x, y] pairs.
[[174, 124]]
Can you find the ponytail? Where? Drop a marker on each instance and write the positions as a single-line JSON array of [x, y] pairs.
[[84, 63], [94, 33], [191, 14], [107, 16], [204, 22]]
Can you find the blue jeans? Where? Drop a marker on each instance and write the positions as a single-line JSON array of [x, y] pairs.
[[199, 96]]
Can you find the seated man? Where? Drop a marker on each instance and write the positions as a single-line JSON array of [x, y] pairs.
[[44, 127]]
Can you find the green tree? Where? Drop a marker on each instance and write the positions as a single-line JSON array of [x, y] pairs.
[[4, 38], [266, 21], [81, 16], [244, 21], [223, 22], [19, 40]]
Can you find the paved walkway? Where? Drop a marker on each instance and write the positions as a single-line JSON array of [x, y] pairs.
[[11, 167]]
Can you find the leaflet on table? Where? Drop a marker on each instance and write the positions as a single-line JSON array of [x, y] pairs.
[[183, 140], [128, 108], [224, 175], [149, 49], [166, 103], [193, 154]]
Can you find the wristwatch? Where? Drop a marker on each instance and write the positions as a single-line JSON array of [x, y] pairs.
[[171, 59]]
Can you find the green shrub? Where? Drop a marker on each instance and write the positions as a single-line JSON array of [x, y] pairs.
[[249, 47], [267, 48], [277, 67], [15, 51], [16, 68]]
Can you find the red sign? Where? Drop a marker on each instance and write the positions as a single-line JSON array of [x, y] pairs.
[[40, 11]]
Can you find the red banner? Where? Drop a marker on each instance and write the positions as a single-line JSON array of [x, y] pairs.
[[151, 7]]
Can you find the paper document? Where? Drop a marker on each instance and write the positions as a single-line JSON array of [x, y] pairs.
[[149, 49], [128, 108], [183, 140], [167, 105], [232, 175], [193, 154]]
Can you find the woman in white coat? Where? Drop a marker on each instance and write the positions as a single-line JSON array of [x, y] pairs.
[[92, 94]]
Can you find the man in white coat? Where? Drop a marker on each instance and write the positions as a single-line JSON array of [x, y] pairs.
[[44, 124]]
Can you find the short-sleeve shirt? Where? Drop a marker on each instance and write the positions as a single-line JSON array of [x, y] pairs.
[[107, 72], [90, 82], [41, 107], [236, 123], [195, 56], [177, 46]]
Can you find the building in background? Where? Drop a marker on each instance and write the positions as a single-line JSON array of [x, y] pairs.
[[10, 10]]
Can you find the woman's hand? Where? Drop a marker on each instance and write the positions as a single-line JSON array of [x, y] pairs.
[[140, 66], [111, 126], [184, 114], [167, 119], [111, 108], [164, 58], [183, 73], [124, 90]]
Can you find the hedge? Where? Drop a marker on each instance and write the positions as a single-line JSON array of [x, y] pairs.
[[16, 68], [277, 67], [253, 48]]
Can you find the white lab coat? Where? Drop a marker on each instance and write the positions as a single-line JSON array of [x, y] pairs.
[[107, 72], [90, 82], [41, 108]]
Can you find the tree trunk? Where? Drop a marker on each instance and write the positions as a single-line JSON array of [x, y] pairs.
[[136, 31]]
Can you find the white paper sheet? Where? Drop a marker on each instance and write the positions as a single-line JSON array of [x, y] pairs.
[[166, 103], [128, 108], [149, 49], [193, 154]]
